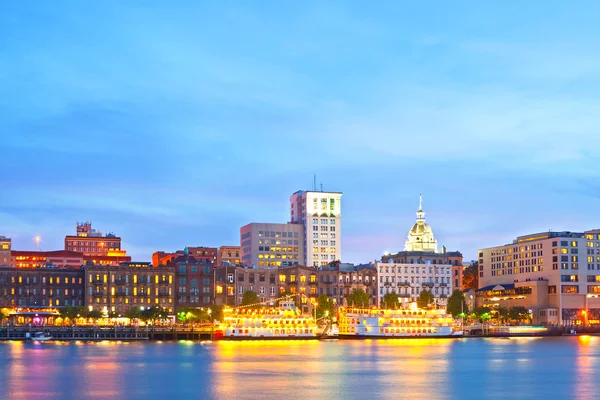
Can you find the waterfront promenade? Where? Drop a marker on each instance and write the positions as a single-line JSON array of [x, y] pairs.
[[123, 333]]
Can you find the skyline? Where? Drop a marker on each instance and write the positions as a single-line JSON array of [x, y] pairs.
[[177, 126]]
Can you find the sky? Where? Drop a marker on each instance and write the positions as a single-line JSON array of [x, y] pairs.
[[173, 124]]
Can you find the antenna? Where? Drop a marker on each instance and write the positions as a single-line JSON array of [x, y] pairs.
[[321, 186]]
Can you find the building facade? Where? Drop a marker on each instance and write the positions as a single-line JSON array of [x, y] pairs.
[[5, 249], [194, 283], [229, 255], [320, 215], [338, 281], [420, 266], [556, 275], [95, 246], [119, 288], [38, 259], [40, 287], [272, 245]]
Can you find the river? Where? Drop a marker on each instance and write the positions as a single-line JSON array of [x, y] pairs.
[[524, 368]]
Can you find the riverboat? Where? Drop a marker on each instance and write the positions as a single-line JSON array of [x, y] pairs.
[[281, 323], [361, 323], [40, 337]]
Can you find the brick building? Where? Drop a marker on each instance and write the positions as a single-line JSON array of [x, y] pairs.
[[40, 287], [37, 259], [119, 288], [229, 255], [194, 279], [95, 246]]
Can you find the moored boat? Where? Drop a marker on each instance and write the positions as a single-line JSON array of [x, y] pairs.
[[281, 323], [380, 323], [40, 337]]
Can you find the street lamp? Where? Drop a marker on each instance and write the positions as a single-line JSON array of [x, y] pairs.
[[37, 241]]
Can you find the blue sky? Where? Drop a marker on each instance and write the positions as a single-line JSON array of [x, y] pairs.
[[175, 124]]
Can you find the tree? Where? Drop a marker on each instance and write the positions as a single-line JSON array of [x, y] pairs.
[[358, 298], [251, 299], [216, 312], [325, 306], [133, 313], [501, 314], [457, 304], [519, 313], [471, 276], [425, 299], [94, 315], [113, 314], [482, 313], [2, 316], [390, 301], [152, 314]]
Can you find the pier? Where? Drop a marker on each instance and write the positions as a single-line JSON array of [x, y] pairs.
[[95, 333]]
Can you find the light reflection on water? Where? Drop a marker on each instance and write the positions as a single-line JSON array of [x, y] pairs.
[[391, 369]]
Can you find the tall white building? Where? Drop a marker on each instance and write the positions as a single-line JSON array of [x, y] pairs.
[[320, 213]]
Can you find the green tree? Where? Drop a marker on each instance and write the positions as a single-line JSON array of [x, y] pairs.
[[457, 304], [2, 316], [133, 313], [250, 299], [325, 306], [482, 313], [425, 299], [94, 315], [390, 301], [471, 276], [501, 314], [113, 315], [519, 313], [216, 312], [358, 298], [153, 314]]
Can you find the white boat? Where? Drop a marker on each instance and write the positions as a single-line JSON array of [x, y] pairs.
[[379, 323], [41, 337], [284, 322]]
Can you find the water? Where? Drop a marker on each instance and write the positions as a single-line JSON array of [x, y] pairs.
[[524, 368]]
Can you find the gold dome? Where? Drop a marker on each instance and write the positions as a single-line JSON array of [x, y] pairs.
[[420, 236]]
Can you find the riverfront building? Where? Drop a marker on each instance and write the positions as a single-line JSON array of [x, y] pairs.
[[40, 287], [5, 249], [419, 267], [95, 246], [272, 245], [338, 280], [194, 283], [229, 255], [556, 275], [118, 289], [320, 215], [37, 259]]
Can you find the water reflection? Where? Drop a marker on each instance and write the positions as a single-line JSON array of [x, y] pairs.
[[398, 369]]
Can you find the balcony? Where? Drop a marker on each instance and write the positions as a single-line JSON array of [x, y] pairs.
[[97, 281], [367, 283], [120, 282], [312, 282], [429, 284], [443, 284], [404, 283], [163, 282]]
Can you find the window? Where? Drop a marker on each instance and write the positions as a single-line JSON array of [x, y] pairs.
[[183, 281], [573, 244], [282, 278], [570, 289], [230, 278], [569, 278]]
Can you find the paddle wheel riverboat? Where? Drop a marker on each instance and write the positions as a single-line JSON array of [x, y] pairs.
[[284, 322], [378, 323]]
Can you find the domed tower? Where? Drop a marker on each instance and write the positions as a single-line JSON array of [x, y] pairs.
[[420, 236]]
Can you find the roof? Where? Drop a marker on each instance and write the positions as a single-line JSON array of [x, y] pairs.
[[507, 286]]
